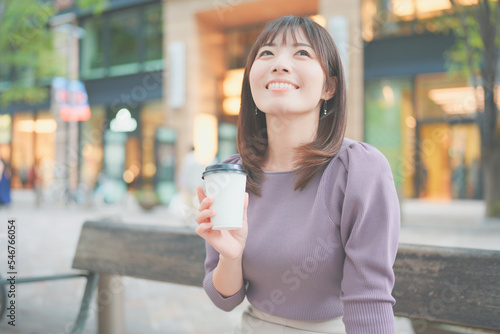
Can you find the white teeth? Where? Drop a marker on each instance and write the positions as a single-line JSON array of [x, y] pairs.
[[280, 85]]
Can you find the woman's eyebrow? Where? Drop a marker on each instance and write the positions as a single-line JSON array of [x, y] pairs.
[[302, 44], [295, 45]]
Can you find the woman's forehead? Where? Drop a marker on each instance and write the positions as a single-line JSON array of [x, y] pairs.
[[287, 35]]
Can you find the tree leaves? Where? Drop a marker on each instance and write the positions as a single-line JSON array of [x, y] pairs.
[[27, 53]]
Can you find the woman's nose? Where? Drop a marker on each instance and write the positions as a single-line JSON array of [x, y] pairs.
[[282, 64], [280, 68]]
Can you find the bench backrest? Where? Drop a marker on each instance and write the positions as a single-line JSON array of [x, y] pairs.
[[450, 285], [158, 253]]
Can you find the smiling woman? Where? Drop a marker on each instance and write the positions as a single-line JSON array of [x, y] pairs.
[[321, 223], [306, 57], [288, 77]]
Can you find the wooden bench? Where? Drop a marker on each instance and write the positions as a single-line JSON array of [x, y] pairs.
[[433, 284], [457, 286]]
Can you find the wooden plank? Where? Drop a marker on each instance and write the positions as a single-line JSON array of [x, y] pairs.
[[450, 285], [152, 252]]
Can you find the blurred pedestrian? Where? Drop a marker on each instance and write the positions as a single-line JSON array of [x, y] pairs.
[[184, 204], [321, 219], [5, 183], [37, 177]]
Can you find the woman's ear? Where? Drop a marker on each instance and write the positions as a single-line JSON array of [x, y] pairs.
[[330, 88]]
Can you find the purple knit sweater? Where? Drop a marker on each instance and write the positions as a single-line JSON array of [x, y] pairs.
[[323, 252]]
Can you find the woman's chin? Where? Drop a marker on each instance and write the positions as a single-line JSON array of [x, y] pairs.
[[285, 112]]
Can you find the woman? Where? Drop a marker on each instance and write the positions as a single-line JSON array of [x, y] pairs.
[[321, 220]]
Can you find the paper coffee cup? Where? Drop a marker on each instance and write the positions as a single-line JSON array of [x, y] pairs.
[[226, 184]]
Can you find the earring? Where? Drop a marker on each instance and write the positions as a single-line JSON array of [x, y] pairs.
[[256, 111], [324, 110]]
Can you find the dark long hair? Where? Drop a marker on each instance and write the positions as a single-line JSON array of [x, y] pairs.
[[252, 129]]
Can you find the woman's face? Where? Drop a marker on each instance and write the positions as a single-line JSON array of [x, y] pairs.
[[288, 78]]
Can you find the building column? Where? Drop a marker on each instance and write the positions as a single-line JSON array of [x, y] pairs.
[[343, 21], [66, 140]]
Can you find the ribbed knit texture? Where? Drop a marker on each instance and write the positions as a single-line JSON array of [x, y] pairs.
[[325, 251]]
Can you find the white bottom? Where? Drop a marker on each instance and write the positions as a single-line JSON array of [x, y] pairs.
[[254, 321]]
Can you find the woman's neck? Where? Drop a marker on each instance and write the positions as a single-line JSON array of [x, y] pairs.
[[285, 133]]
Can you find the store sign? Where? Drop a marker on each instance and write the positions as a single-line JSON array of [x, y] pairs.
[[71, 99], [177, 84], [123, 122]]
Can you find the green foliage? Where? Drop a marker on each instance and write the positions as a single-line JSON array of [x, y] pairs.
[[494, 210], [28, 57], [469, 45], [469, 42], [96, 6]]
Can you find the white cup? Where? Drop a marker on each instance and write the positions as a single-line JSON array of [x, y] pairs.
[[226, 184]]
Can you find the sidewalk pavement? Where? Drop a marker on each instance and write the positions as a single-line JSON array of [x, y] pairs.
[[47, 238]]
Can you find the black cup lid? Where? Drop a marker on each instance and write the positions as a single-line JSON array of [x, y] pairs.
[[223, 168]]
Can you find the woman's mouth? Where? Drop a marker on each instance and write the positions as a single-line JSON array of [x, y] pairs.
[[281, 86]]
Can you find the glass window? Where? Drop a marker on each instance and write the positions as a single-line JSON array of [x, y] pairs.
[[93, 54], [450, 161], [23, 150], [118, 42], [153, 32], [124, 37], [239, 43], [152, 117], [439, 96], [390, 126], [399, 17], [449, 140], [91, 146]]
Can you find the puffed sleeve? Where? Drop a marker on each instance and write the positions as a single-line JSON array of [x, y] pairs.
[[211, 261], [369, 227]]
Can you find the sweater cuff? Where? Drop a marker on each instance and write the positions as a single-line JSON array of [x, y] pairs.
[[224, 303], [369, 317]]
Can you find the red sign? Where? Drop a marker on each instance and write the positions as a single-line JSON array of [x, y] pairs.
[[71, 100]]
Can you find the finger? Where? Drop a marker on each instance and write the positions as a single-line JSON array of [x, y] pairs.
[[201, 193], [205, 204], [245, 207], [204, 216], [203, 228]]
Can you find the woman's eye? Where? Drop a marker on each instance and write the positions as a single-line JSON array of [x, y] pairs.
[[265, 53], [303, 53]]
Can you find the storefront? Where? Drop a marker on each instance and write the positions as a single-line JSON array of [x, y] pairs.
[[122, 67], [27, 144], [120, 141], [418, 115], [428, 134]]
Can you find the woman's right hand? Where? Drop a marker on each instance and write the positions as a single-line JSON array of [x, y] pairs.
[[229, 243]]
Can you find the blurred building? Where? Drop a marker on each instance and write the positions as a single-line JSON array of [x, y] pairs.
[[118, 55], [121, 64], [165, 76], [421, 117]]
